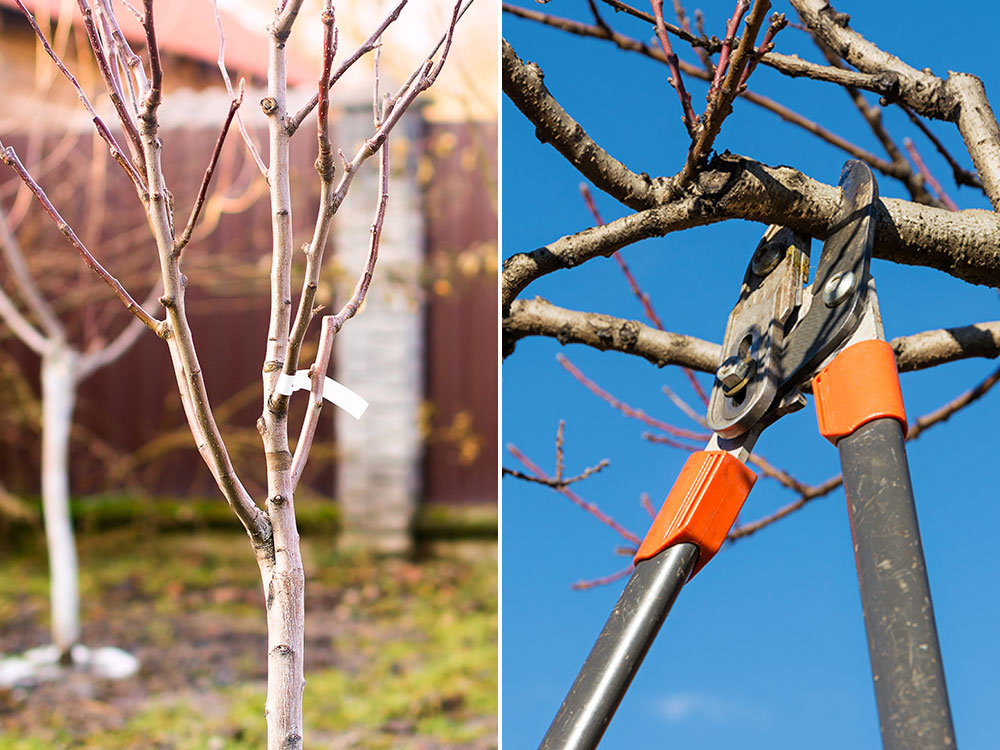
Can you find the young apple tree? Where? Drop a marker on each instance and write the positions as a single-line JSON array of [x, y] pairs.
[[134, 85]]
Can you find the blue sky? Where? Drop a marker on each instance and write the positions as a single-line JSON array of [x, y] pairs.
[[766, 647]]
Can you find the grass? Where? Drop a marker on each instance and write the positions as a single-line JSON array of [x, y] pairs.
[[398, 654]]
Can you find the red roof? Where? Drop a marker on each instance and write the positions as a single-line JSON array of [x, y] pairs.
[[188, 28]]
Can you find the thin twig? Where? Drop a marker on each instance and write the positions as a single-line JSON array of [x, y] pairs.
[[591, 508], [332, 324], [928, 177], [199, 201], [637, 291], [685, 407], [247, 139], [689, 118], [945, 412], [647, 505], [116, 151], [962, 176], [722, 67], [682, 19], [720, 103], [10, 158], [778, 22], [371, 43], [625, 408], [103, 65], [917, 428], [557, 483], [604, 580]]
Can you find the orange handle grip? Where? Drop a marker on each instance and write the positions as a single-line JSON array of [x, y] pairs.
[[860, 385], [702, 506]]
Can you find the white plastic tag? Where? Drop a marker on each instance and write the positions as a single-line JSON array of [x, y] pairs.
[[334, 392]]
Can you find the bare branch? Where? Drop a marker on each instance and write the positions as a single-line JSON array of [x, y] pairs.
[[963, 244], [366, 46], [199, 201], [590, 508], [961, 98], [116, 152], [928, 177], [538, 317], [629, 411], [962, 176], [103, 65], [952, 407], [642, 296], [522, 82], [10, 158], [689, 117], [720, 103], [787, 114], [333, 323], [247, 140]]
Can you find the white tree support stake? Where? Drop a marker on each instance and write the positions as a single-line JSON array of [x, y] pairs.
[[336, 393]]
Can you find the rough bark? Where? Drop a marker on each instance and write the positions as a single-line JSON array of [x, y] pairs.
[[539, 317]]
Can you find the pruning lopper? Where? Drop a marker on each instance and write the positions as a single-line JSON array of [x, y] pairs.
[[783, 337]]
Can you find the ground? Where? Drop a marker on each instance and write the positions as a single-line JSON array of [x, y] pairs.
[[399, 654]]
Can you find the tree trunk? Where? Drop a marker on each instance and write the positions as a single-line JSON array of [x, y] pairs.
[[58, 396]]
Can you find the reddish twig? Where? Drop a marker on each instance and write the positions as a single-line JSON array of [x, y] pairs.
[[199, 201], [945, 412], [629, 44], [684, 21], [808, 493], [591, 508], [625, 408], [689, 118], [928, 177], [664, 440], [558, 481], [778, 22], [647, 504], [742, 6], [604, 580], [816, 491], [720, 103], [685, 407], [641, 295], [962, 176]]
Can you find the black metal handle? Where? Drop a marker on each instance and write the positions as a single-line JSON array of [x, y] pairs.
[[899, 618], [615, 658]]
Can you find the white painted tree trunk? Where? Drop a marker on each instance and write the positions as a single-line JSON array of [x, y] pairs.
[[58, 396]]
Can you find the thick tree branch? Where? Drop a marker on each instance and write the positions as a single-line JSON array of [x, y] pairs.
[[629, 44], [960, 98], [963, 244], [539, 317]]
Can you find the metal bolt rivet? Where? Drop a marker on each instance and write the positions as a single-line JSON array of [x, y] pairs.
[[767, 258], [734, 373], [838, 288]]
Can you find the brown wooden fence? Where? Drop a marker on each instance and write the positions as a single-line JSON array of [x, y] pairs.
[[130, 433]]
